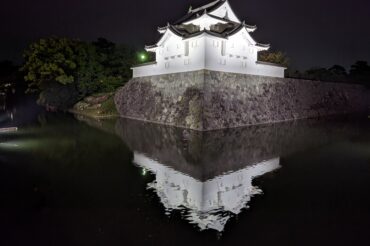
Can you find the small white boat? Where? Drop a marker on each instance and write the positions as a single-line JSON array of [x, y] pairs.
[[8, 129]]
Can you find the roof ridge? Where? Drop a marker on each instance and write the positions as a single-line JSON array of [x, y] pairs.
[[208, 5]]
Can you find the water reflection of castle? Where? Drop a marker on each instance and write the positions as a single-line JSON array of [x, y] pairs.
[[209, 174], [206, 201]]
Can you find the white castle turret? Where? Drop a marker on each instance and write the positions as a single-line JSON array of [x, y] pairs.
[[210, 37]]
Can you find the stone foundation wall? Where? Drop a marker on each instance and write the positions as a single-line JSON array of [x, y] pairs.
[[209, 100]]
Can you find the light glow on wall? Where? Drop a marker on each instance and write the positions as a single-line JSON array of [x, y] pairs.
[[143, 57]]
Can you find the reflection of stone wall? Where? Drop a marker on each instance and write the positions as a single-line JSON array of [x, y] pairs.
[[206, 100], [204, 155]]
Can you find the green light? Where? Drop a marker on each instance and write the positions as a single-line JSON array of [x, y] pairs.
[[142, 57]]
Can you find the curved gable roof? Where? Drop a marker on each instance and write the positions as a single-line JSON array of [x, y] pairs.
[[205, 14], [226, 33], [228, 14], [197, 12], [168, 28]]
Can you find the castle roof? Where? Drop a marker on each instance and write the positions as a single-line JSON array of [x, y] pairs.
[[225, 28], [250, 28], [219, 30], [193, 13]]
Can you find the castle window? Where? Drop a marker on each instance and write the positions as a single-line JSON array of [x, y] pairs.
[[223, 48], [167, 65], [186, 48], [186, 61], [222, 61]]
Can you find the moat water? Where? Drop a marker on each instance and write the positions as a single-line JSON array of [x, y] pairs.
[[67, 180]]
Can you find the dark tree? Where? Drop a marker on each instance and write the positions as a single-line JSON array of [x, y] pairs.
[[9, 77], [7, 68], [293, 73], [338, 70], [338, 73], [117, 61], [319, 73], [360, 71]]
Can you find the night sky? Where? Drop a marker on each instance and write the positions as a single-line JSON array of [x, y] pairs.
[[312, 33]]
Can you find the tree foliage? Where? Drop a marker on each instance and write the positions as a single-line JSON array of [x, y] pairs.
[[54, 65], [358, 73], [51, 59], [7, 68], [116, 61], [276, 57], [8, 76]]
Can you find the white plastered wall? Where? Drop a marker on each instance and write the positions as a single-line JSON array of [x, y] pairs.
[[236, 54]]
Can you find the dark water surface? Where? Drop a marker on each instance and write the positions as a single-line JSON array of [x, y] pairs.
[[68, 181]]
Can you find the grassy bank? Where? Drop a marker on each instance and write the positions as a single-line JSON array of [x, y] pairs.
[[96, 106]]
